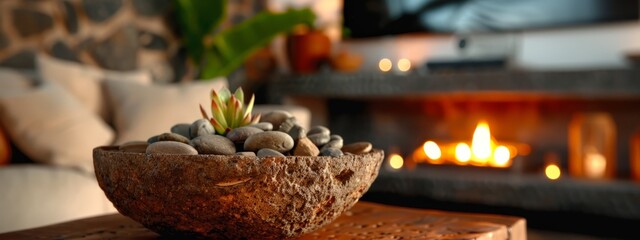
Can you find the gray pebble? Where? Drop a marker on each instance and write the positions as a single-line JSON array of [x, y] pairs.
[[335, 137], [287, 124], [182, 129], [213, 144], [238, 135], [275, 140], [201, 127], [265, 126], [319, 129], [134, 146], [276, 117], [153, 139], [173, 137], [171, 147], [297, 132], [266, 152], [319, 139], [332, 152], [336, 143]]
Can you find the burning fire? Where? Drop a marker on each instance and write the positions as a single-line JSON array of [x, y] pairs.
[[483, 151]]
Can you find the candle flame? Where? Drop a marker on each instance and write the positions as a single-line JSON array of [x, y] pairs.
[[481, 143], [595, 164], [432, 150], [501, 156], [463, 153]]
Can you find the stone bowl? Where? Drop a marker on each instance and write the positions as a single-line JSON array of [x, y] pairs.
[[233, 197]]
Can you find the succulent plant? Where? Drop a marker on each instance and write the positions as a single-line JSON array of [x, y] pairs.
[[229, 111]]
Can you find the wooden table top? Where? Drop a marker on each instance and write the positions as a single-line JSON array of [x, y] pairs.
[[364, 221]]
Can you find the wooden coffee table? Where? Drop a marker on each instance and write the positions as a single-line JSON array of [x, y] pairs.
[[364, 221]]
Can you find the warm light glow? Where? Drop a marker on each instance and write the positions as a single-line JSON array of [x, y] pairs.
[[404, 65], [463, 152], [385, 64], [483, 151], [595, 164], [396, 161], [501, 156], [432, 150], [552, 171], [481, 143]]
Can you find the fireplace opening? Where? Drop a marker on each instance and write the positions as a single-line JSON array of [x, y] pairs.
[[510, 157]]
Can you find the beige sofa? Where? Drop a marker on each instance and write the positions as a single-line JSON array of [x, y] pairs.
[[57, 119]]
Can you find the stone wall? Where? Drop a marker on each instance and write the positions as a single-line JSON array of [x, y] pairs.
[[111, 34]]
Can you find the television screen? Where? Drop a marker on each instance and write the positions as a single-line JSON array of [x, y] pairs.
[[371, 18]]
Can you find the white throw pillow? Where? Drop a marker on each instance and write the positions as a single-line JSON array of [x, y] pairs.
[[85, 82], [142, 111], [13, 82], [50, 126]]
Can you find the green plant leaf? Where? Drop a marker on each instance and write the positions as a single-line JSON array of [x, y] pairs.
[[230, 48], [239, 94], [198, 19]]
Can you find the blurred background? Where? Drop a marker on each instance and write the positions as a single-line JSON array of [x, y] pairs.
[[527, 108]]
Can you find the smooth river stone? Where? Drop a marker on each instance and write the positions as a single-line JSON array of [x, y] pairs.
[[134, 146], [319, 129], [297, 132], [265, 126], [276, 118], [335, 137], [201, 127], [331, 152], [287, 125], [182, 129], [275, 140], [153, 139], [306, 148], [213, 144], [336, 143], [171, 147], [319, 139], [238, 135], [357, 147], [173, 137], [266, 152]]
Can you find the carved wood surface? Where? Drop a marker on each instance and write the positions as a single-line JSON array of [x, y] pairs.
[[364, 221]]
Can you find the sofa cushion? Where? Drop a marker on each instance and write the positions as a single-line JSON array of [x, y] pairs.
[[142, 111], [85, 82], [33, 195], [50, 126]]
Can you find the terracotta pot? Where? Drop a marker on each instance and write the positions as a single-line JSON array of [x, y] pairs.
[[308, 51]]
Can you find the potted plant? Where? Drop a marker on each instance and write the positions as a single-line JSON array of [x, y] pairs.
[[215, 52]]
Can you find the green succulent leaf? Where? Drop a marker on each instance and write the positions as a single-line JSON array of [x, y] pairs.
[[218, 112], [220, 128], [239, 94], [229, 111], [247, 111]]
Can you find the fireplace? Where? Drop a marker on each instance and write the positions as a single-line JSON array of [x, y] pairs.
[[495, 140]]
